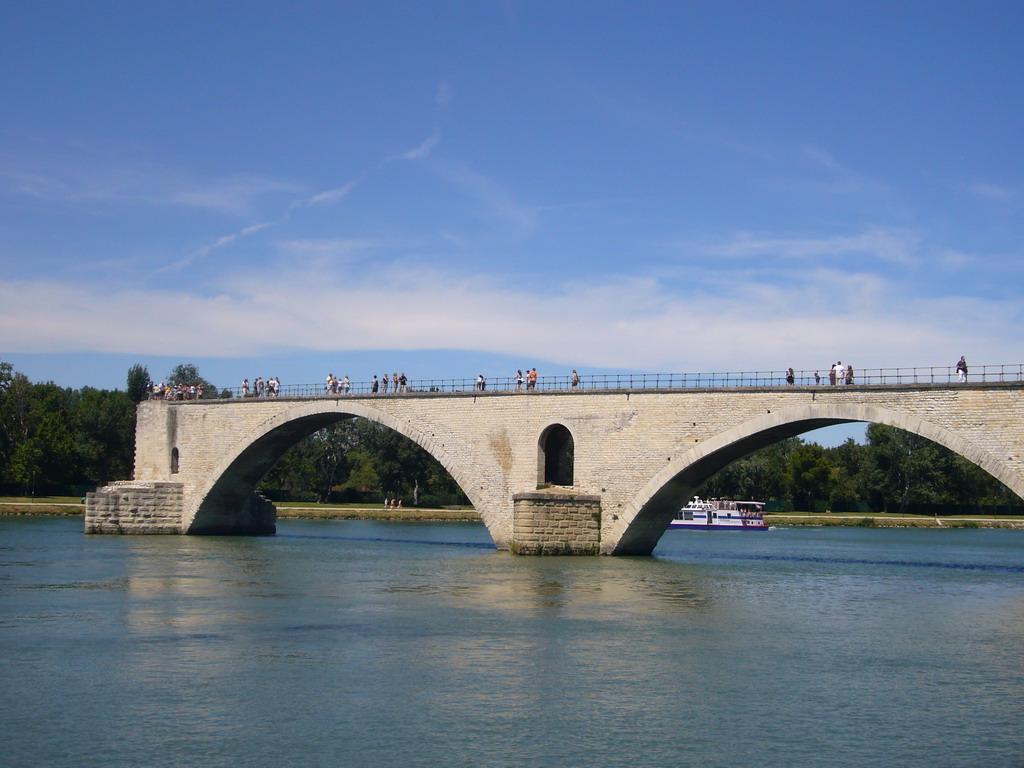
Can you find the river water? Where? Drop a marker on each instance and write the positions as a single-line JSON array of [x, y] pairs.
[[374, 644]]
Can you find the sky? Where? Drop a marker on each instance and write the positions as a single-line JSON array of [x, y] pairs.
[[454, 188]]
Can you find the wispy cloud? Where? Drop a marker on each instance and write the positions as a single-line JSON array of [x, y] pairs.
[[220, 242], [423, 150], [327, 196], [233, 195], [993, 191], [329, 249], [72, 174], [443, 95], [496, 201], [899, 246], [613, 322]]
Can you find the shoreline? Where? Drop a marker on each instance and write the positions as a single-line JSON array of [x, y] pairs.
[[434, 515]]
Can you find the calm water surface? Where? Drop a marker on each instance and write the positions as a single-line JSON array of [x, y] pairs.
[[375, 644]]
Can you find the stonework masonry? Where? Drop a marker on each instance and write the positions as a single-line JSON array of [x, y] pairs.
[[129, 507], [640, 453], [556, 523]]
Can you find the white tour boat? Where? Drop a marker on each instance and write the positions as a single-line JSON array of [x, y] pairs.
[[720, 515]]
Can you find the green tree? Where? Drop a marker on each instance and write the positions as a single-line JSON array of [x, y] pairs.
[[43, 453], [139, 384], [848, 485], [760, 475], [809, 472], [359, 455], [103, 423], [187, 375], [17, 460], [906, 466]]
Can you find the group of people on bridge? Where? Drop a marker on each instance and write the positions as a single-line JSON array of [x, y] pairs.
[[336, 386], [400, 383], [837, 375], [164, 391], [262, 387]]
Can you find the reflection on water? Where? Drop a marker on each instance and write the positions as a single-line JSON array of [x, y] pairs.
[[369, 644]]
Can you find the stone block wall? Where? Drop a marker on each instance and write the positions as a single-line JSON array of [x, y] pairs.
[[134, 507], [556, 523]]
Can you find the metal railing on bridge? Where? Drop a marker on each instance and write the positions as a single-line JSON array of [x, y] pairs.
[[658, 381]]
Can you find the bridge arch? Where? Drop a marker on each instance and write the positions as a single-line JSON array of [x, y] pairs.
[[244, 464], [646, 517]]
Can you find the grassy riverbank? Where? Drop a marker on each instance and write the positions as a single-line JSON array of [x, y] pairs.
[[67, 506], [894, 521]]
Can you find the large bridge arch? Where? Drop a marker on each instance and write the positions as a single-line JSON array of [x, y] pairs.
[[233, 481], [647, 515]]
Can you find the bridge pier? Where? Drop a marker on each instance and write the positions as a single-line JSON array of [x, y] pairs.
[[154, 507], [127, 506], [556, 523]]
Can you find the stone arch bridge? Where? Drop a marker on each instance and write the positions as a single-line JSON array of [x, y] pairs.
[[635, 456]]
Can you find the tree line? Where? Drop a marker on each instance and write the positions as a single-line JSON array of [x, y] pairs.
[[66, 441], [62, 441], [893, 471]]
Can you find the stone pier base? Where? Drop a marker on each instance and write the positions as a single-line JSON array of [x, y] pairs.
[[127, 506], [147, 507], [556, 523]]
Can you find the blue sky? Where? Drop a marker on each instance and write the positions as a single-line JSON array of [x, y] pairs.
[[450, 188]]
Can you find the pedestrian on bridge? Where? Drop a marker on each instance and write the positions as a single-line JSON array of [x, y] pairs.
[[961, 370], [838, 372]]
